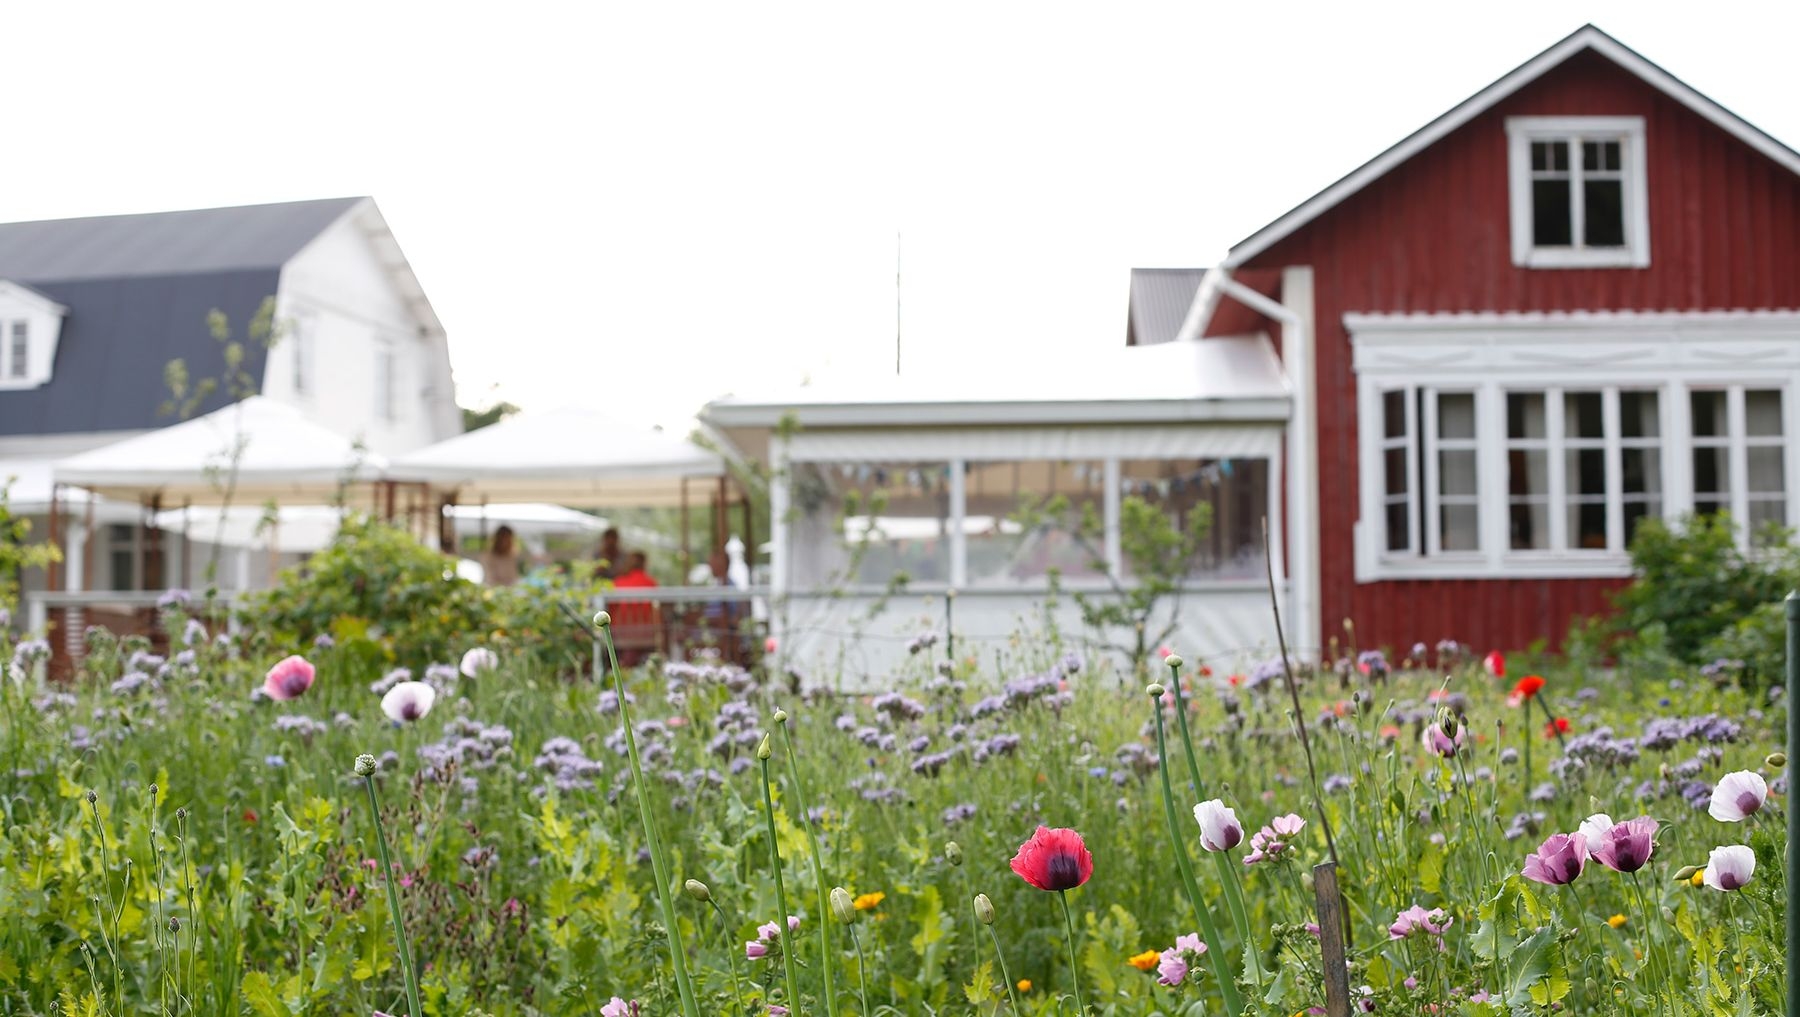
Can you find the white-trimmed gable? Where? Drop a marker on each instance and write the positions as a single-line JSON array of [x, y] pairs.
[[30, 327]]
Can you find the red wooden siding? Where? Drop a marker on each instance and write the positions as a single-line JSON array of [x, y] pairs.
[[1434, 235]]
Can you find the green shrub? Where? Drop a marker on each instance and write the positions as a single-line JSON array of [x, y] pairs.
[[386, 600], [1703, 597]]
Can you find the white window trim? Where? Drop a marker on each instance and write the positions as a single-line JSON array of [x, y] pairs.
[[43, 328], [1490, 353], [1521, 132]]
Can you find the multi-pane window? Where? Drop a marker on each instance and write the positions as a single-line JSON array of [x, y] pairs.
[[1640, 460], [385, 367], [1431, 493], [18, 349], [1733, 422], [300, 336], [1592, 456], [1528, 470], [1578, 191]]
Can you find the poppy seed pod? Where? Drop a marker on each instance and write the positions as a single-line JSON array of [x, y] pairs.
[[1155, 690], [1776, 760], [953, 853], [365, 765], [603, 620], [697, 890], [984, 909], [842, 906]]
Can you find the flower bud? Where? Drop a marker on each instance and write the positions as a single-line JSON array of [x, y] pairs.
[[953, 853], [365, 765], [842, 906], [153, 790], [1776, 760], [1685, 873], [762, 750], [780, 716], [174, 924], [1156, 690], [603, 620], [984, 909], [697, 890], [1172, 662], [92, 796]]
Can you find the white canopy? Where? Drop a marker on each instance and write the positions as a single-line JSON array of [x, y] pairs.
[[526, 519], [286, 457], [300, 529], [571, 456]]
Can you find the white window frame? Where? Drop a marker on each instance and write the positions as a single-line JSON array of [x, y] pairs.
[[1670, 353], [302, 334], [1629, 132]]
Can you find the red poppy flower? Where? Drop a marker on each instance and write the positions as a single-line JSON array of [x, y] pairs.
[[1558, 726], [1528, 686], [1054, 859], [249, 815], [1495, 663]]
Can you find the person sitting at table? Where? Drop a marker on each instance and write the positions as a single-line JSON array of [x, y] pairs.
[[634, 621], [500, 565]]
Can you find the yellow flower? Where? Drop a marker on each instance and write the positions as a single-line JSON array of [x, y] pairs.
[[1699, 878], [1024, 985], [869, 901], [1616, 921], [1146, 960]]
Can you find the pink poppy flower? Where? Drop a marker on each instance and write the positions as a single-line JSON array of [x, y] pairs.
[[288, 679]]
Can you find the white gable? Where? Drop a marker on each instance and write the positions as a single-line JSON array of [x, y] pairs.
[[30, 327]]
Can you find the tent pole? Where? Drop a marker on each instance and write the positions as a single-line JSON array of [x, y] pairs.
[[54, 572], [687, 550], [720, 506], [87, 558], [137, 547]]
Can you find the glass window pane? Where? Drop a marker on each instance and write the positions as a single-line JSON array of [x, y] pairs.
[[1765, 471], [1023, 519], [1640, 471], [1528, 473], [1590, 155], [1456, 472], [1456, 415], [1525, 415], [1395, 469], [1587, 525], [1540, 155], [1762, 413], [1393, 413], [1398, 538], [1230, 496], [1585, 472], [870, 523], [1530, 526], [1712, 480], [1638, 511], [1637, 415], [1582, 417], [1708, 411], [1603, 218], [1766, 513], [1458, 530], [1550, 213]]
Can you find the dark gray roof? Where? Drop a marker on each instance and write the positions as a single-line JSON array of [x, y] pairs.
[[164, 243], [1160, 298], [138, 289]]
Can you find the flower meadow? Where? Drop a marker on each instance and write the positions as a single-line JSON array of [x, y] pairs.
[[229, 829]]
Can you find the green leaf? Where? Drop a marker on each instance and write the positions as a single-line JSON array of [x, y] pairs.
[[1530, 965], [981, 988], [1431, 868], [262, 996]]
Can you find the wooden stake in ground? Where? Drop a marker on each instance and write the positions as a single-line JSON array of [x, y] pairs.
[[1331, 940]]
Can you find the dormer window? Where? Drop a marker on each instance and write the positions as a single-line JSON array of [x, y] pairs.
[[30, 327], [1579, 197]]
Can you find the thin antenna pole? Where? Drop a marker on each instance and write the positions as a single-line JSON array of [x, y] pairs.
[[896, 304]]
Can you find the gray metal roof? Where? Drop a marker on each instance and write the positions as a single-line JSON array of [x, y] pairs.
[[164, 243], [139, 289], [1160, 298]]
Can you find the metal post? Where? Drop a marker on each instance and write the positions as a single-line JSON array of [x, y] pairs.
[[1793, 813], [1331, 940]]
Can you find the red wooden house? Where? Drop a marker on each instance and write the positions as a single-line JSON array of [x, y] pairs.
[[1569, 304]]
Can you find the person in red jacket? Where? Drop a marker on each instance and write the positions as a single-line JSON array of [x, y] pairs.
[[634, 621]]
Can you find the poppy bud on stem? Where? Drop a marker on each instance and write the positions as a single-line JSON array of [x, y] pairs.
[[984, 913], [365, 768]]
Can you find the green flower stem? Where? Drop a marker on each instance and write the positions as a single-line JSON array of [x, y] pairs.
[[1012, 994], [731, 948], [393, 895], [659, 865], [1074, 961], [1209, 930], [827, 954], [1228, 876], [862, 971], [787, 944]]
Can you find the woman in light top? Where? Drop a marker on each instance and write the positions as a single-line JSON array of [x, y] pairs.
[[501, 562]]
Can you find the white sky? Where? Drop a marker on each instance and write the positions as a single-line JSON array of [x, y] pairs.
[[651, 204]]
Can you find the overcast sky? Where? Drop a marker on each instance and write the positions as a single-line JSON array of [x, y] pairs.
[[650, 204]]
